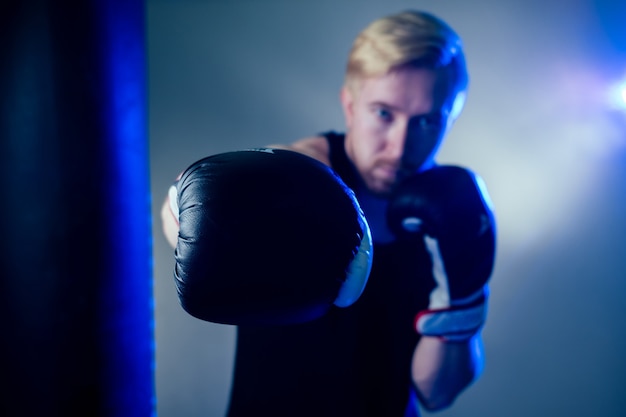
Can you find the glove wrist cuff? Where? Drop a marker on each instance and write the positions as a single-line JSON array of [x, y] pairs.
[[452, 324]]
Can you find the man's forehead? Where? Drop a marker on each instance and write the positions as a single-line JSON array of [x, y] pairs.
[[411, 90]]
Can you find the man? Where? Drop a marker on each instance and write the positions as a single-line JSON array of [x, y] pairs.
[[405, 85]]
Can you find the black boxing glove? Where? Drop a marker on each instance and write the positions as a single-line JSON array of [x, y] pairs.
[[267, 236], [448, 207]]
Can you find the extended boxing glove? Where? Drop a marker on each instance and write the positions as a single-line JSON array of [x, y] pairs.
[[267, 236], [448, 207]]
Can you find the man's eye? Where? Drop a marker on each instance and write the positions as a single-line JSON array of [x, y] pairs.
[[383, 114], [429, 122]]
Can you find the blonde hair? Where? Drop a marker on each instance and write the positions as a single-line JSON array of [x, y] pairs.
[[409, 38]]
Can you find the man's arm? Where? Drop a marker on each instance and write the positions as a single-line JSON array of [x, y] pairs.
[[442, 370], [169, 223], [316, 147], [448, 208]]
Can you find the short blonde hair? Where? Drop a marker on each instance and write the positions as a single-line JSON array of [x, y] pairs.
[[409, 38]]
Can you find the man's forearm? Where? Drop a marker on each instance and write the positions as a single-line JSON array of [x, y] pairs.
[[441, 370]]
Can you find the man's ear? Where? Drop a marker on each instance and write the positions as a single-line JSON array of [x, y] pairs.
[[457, 105], [347, 104], [456, 109]]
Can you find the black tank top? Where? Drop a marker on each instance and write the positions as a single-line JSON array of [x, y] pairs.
[[354, 361]]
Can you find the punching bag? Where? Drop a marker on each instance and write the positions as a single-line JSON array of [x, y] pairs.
[[76, 307]]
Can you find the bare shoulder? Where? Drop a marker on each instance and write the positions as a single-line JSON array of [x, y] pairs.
[[314, 146]]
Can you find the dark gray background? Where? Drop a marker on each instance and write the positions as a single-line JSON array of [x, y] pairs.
[[537, 126]]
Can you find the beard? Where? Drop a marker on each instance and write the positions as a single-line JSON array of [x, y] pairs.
[[381, 179]]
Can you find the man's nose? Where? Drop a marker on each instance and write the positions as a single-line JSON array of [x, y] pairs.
[[397, 141], [413, 146]]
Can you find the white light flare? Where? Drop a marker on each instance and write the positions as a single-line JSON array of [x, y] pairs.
[[617, 95]]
